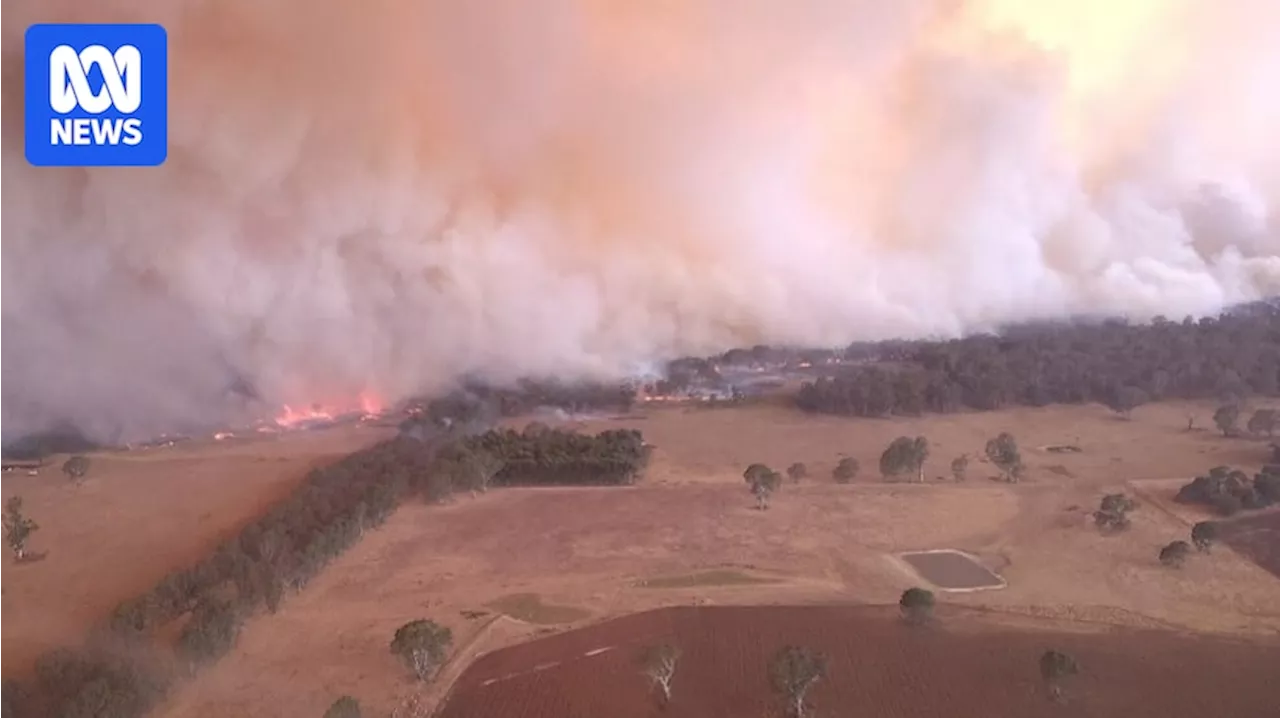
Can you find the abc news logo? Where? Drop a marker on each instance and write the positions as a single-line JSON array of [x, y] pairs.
[[96, 95], [121, 88]]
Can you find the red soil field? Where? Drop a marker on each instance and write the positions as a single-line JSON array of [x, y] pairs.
[[966, 665], [1257, 538]]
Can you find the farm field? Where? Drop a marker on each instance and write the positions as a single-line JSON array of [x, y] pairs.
[[555, 558], [963, 666], [136, 516]]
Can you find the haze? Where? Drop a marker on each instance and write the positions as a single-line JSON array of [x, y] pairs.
[[382, 196]]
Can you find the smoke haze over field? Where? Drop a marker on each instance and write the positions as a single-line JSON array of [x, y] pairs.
[[380, 195]]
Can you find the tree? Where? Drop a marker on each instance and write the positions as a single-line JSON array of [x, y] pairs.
[[660, 666], [960, 467], [846, 470], [1003, 452], [762, 481], [797, 471], [17, 527], [1175, 553], [422, 645], [1204, 534], [916, 605], [344, 707], [76, 467], [1226, 417], [905, 455], [474, 470], [794, 670], [1263, 421], [1113, 512], [1125, 399], [1056, 666]]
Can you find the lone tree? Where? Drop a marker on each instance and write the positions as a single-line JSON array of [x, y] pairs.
[[1263, 421], [960, 467], [1175, 553], [422, 645], [794, 670], [1113, 512], [1226, 418], [797, 471], [846, 470], [1055, 667], [344, 707], [917, 605], [763, 481], [76, 467], [905, 456], [1002, 451], [660, 666], [1204, 534], [17, 528], [1125, 399]]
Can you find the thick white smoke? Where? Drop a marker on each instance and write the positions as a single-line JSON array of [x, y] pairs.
[[386, 193]]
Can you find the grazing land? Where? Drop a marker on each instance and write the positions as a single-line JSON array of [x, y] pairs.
[[599, 550], [963, 666], [951, 570], [136, 516]]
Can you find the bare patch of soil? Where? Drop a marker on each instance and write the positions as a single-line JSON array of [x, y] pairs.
[[1257, 538], [528, 607]]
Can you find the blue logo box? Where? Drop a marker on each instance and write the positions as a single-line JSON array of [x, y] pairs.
[[97, 95]]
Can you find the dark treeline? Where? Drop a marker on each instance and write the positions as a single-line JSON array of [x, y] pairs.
[[477, 400], [541, 456], [1113, 363], [1230, 490]]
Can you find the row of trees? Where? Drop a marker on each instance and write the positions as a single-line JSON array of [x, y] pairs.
[[486, 403], [542, 456], [904, 457], [1229, 490], [1113, 363], [794, 670]]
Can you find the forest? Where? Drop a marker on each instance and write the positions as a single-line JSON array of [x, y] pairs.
[[1113, 363]]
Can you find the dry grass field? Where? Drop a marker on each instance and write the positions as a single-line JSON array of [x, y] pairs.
[[135, 517], [689, 534]]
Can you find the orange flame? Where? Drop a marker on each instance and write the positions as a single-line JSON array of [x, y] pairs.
[[369, 406]]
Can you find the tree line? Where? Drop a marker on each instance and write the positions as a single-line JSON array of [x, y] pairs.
[[542, 456], [1228, 490], [1114, 363]]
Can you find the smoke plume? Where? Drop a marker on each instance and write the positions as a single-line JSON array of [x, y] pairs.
[[382, 195]]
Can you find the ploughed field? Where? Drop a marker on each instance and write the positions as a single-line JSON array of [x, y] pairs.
[[961, 666]]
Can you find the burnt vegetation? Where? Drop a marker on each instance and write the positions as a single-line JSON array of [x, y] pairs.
[[126, 667], [1112, 363]]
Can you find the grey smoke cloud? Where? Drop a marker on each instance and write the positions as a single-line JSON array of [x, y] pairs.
[[385, 194]]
